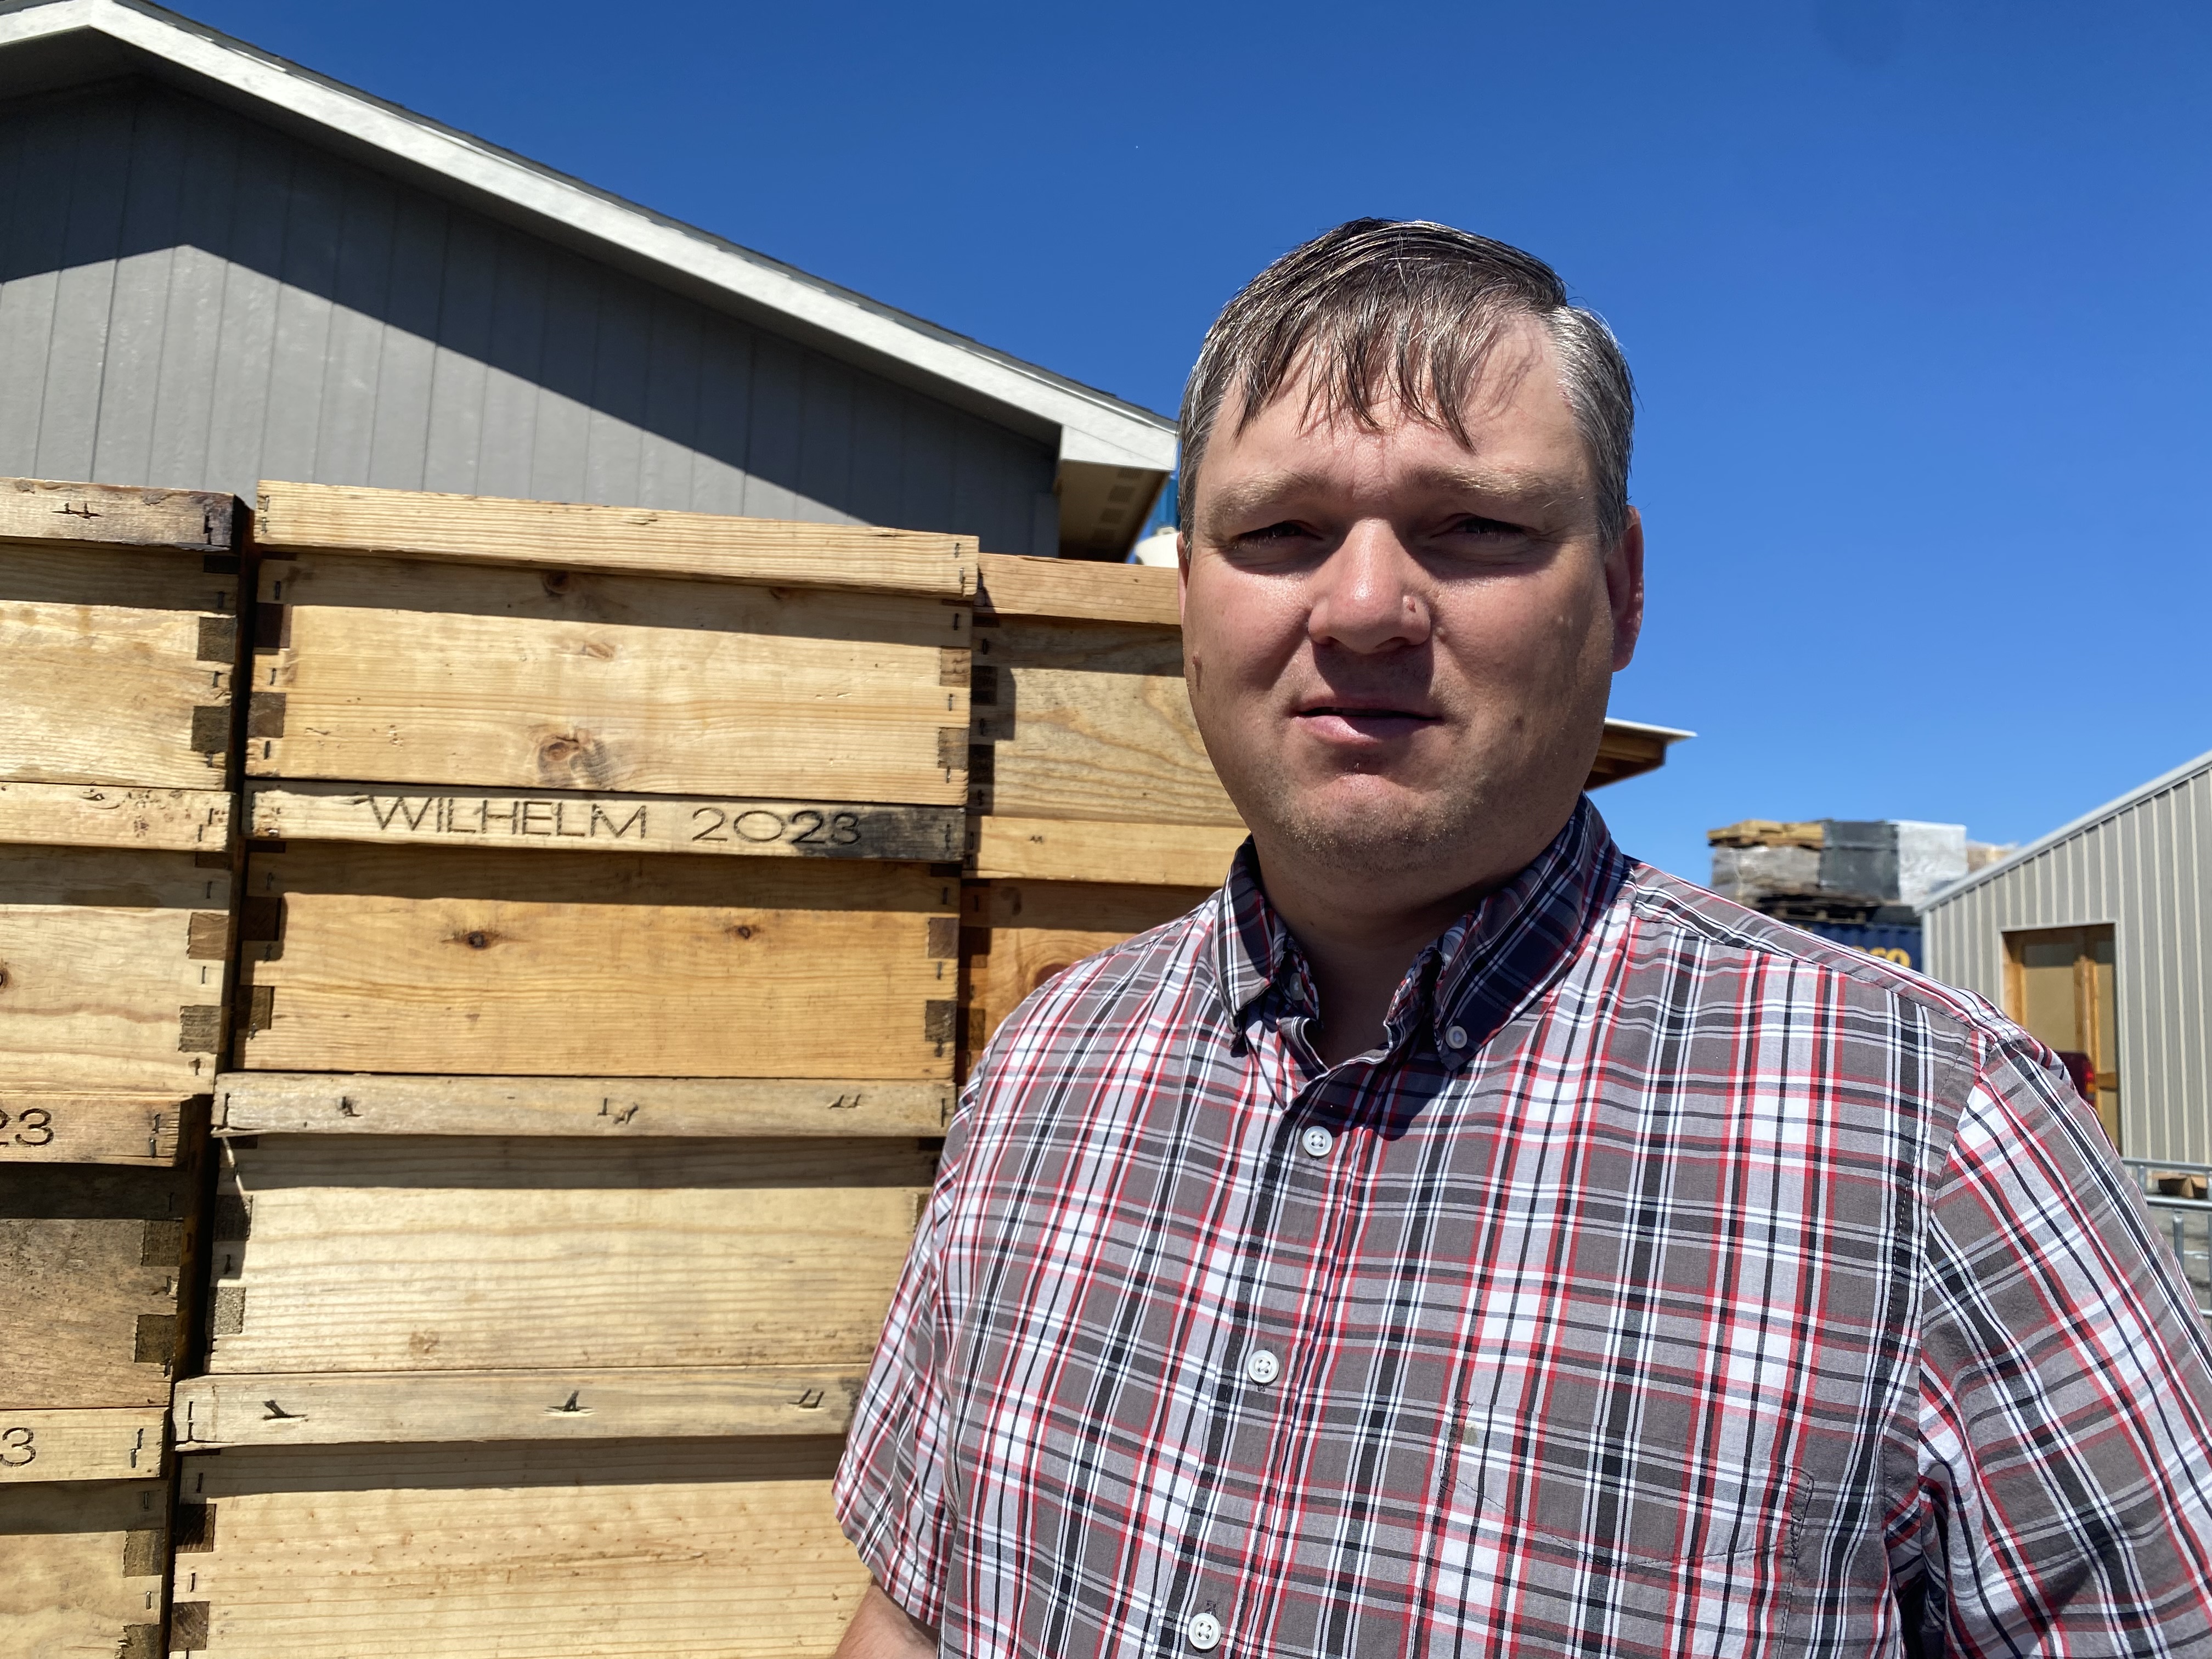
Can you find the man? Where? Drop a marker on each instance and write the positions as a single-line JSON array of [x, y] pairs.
[[1456, 1237]]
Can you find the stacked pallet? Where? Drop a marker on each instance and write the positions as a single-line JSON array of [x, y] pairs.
[[599, 984], [118, 642]]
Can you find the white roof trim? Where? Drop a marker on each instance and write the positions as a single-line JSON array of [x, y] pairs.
[[2111, 809], [1672, 733], [1094, 428]]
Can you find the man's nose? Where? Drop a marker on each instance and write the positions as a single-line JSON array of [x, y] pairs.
[[1369, 594]]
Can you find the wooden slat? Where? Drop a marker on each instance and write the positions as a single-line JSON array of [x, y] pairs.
[[275, 1102], [346, 1408], [639, 541], [501, 963], [123, 1444], [1071, 849], [1078, 590], [49, 1127], [91, 1259], [84, 1565], [115, 667], [110, 968], [111, 515], [399, 1252], [389, 672], [91, 815], [560, 821], [1089, 720], [1016, 935], [630, 1549]]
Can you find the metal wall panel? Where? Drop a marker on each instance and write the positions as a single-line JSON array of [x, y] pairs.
[[189, 299], [2145, 866]]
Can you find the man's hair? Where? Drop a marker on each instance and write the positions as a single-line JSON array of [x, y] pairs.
[[1381, 313]]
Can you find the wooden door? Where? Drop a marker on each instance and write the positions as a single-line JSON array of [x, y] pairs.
[[2058, 984]]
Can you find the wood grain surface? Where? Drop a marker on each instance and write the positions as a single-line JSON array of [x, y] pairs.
[[95, 815], [115, 667], [112, 516], [1076, 849], [1079, 590], [110, 968], [642, 541], [84, 1566], [557, 821], [118, 1443], [93, 1259], [386, 672], [638, 1549], [399, 1253], [48, 1127], [1088, 721], [306, 1103], [1016, 935], [501, 963], [363, 1407]]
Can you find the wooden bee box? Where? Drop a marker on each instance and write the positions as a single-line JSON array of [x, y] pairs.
[[454, 642], [85, 1568], [549, 963], [405, 1252], [721, 1549], [114, 929], [1078, 704], [93, 1260], [119, 635]]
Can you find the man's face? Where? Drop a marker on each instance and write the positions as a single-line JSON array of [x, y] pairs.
[[1398, 647]]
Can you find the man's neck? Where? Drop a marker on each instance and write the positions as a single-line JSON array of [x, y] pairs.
[[1359, 938]]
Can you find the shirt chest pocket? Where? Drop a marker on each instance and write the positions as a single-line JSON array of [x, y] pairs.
[[1620, 1544]]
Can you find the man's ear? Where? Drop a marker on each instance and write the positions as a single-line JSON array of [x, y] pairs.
[[1624, 590]]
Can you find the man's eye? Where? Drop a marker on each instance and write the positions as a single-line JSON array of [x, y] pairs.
[[1473, 525], [1286, 531]]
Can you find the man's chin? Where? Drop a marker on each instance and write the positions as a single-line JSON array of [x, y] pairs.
[[1383, 832]]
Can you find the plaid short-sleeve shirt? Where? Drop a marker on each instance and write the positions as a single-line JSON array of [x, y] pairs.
[[1667, 1282]]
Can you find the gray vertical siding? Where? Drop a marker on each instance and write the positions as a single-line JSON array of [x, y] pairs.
[[191, 300], [2145, 867]]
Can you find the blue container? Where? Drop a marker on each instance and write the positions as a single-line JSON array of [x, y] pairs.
[[1898, 944]]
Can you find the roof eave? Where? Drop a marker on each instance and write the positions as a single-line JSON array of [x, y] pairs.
[[2065, 832], [1087, 426]]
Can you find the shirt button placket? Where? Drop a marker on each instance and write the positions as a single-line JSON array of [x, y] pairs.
[[1203, 1632], [1263, 1367], [1315, 1140]]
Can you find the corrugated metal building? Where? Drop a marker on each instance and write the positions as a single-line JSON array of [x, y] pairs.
[[216, 267], [2098, 938]]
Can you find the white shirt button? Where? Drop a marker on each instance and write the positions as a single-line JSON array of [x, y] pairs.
[[1263, 1367], [1203, 1632], [1316, 1140], [1456, 1037]]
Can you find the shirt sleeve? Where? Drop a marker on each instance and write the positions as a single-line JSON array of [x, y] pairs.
[[2064, 1500], [891, 1492]]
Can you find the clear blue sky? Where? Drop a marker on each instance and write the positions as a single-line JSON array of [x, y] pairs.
[[1916, 294]]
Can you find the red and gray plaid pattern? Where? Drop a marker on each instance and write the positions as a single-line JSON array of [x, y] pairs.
[[1669, 1283]]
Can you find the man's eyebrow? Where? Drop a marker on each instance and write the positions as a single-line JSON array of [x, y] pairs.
[[1520, 485]]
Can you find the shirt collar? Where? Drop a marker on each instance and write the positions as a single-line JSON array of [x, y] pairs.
[[1476, 973]]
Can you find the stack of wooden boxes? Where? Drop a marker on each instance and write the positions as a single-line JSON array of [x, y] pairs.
[[118, 642], [598, 1021], [1098, 814]]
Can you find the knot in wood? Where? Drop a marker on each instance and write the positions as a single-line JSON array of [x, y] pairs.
[[478, 939]]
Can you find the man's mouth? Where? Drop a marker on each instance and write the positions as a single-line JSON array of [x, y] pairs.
[[1351, 722]]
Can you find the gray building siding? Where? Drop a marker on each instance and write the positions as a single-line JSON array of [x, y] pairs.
[[189, 298], [2145, 866]]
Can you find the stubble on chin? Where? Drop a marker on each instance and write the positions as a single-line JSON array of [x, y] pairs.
[[1388, 835]]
